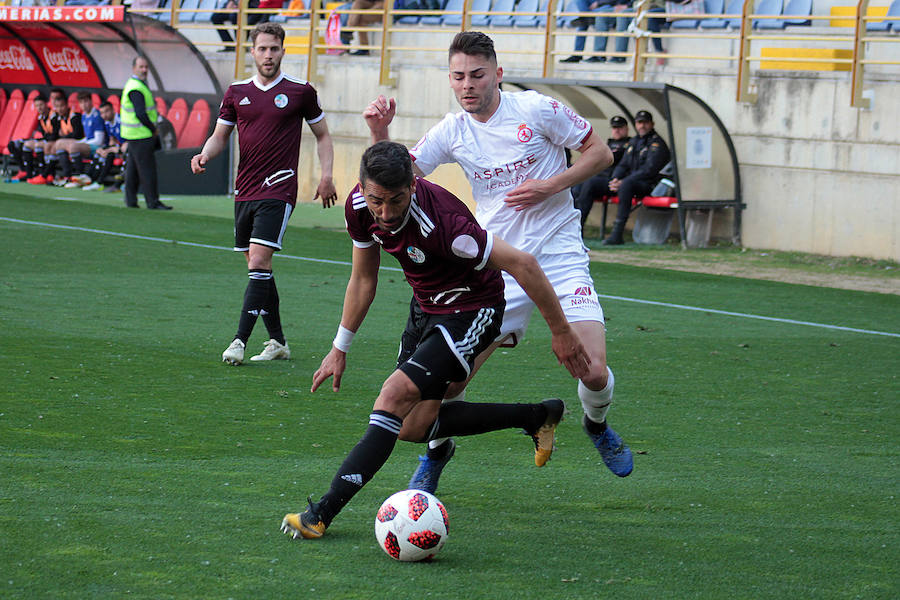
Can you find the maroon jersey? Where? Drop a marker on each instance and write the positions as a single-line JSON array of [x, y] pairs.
[[269, 122], [441, 247]]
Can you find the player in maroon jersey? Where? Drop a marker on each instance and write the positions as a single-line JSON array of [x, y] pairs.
[[453, 266], [268, 111]]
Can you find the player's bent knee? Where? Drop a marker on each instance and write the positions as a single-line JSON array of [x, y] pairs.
[[399, 395]]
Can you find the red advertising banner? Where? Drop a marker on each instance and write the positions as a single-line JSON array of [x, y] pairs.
[[18, 64], [65, 63], [72, 14]]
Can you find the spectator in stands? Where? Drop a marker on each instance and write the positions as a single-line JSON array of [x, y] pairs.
[[654, 25], [112, 148], [356, 20], [84, 148], [598, 186], [582, 23], [220, 18], [637, 172], [139, 130], [621, 26], [23, 150], [66, 126]]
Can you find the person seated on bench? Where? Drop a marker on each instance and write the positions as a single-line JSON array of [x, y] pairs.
[[598, 186], [638, 172], [114, 147]]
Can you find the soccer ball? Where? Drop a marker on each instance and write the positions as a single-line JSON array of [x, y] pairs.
[[411, 525]]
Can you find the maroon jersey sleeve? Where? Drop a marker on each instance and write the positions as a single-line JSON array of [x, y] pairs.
[[312, 110], [355, 214], [227, 113]]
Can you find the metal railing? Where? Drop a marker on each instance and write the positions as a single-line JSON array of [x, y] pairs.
[[305, 33]]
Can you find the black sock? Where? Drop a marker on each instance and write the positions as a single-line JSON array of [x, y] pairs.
[[15, 150], [439, 452], [472, 418], [77, 164], [62, 158], [594, 427], [103, 168], [255, 300], [369, 455], [28, 163], [272, 316]]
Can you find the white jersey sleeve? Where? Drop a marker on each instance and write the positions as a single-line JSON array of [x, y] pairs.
[[560, 124], [434, 147]]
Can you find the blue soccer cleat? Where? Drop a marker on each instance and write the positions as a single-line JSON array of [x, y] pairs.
[[429, 472], [616, 455]]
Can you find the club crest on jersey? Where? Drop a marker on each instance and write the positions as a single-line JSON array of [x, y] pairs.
[[415, 255], [524, 133], [281, 100]]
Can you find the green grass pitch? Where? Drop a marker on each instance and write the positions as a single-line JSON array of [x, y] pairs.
[[133, 463]]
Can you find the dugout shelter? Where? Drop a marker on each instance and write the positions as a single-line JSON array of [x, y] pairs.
[[91, 48], [704, 161]]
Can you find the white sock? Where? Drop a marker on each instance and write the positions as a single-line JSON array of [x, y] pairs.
[[435, 443], [596, 404]]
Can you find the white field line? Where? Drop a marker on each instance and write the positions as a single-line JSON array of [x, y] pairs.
[[346, 263]]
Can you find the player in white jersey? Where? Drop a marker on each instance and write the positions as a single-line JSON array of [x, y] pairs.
[[511, 147]]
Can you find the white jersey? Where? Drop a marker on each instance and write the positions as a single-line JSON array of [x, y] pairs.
[[524, 139]]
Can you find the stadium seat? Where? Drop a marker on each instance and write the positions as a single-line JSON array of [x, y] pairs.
[[769, 7], [161, 107], [2, 100], [409, 5], [454, 20], [480, 6], [734, 8], [115, 101], [14, 106], [95, 99], [711, 7], [887, 24], [73, 102], [196, 129], [501, 20], [164, 16], [798, 8], [568, 7], [526, 6], [208, 7], [178, 115], [27, 123]]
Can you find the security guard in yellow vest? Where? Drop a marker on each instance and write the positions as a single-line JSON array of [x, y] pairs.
[[139, 130]]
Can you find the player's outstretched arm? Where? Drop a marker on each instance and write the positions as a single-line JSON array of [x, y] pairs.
[[595, 156], [212, 148], [378, 115], [524, 267], [357, 300], [325, 149]]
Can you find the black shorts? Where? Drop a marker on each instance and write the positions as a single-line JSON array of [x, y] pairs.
[[438, 349], [260, 222]]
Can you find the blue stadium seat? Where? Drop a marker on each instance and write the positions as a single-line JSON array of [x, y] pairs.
[[887, 24], [569, 6], [526, 6], [501, 6], [798, 8], [769, 7], [734, 8], [164, 16], [406, 19], [481, 6], [452, 20], [188, 17], [209, 6], [711, 7]]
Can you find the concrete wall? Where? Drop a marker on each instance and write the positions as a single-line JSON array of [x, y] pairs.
[[818, 176]]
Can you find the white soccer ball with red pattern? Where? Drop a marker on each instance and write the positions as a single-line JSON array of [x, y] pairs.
[[411, 525]]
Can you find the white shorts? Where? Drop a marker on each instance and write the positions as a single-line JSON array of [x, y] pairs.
[[570, 276]]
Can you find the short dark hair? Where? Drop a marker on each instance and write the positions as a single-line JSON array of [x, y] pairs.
[[473, 43], [270, 28], [106, 103], [83, 95], [40, 97], [58, 92], [388, 164], [137, 58]]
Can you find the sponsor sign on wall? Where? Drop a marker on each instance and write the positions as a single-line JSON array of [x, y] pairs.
[[18, 65], [71, 14], [65, 63]]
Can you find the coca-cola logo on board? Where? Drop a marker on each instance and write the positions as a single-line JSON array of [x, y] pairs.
[[16, 58], [66, 59]]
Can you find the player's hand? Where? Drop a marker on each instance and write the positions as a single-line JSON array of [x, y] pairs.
[[198, 163], [571, 353], [379, 114], [327, 192], [531, 192], [614, 185], [333, 364]]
